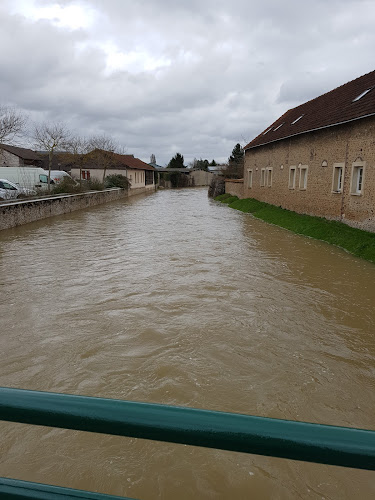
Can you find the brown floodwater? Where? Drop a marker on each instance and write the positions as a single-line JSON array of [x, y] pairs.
[[174, 298]]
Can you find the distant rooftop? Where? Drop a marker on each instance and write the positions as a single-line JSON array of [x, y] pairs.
[[155, 165]]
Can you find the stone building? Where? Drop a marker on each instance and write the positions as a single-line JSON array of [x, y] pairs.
[[319, 158]]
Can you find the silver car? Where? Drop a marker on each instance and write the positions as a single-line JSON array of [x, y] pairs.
[[9, 190]]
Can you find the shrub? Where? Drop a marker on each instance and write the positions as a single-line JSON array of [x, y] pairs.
[[67, 185], [117, 180], [217, 187], [95, 185]]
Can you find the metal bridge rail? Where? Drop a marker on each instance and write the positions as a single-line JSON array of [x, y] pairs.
[[325, 444]]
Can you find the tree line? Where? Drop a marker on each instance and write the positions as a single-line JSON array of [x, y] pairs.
[[56, 138], [233, 169]]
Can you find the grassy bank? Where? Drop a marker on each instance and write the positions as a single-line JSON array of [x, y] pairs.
[[357, 242]]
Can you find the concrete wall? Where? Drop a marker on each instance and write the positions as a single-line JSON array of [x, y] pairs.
[[317, 154], [141, 190], [200, 178], [235, 187], [22, 212]]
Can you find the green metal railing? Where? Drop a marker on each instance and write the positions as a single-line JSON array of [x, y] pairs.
[[325, 444]]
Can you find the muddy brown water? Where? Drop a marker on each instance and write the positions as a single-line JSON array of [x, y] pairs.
[[174, 298]]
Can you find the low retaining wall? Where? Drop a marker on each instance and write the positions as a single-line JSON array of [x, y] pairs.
[[141, 190], [235, 187], [22, 212]]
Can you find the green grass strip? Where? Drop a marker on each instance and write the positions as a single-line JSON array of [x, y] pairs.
[[356, 241], [226, 198]]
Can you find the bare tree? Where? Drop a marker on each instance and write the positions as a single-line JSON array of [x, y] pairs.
[[12, 123], [103, 151], [51, 137], [77, 148]]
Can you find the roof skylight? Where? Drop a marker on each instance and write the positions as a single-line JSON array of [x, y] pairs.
[[362, 94], [297, 119], [277, 128], [266, 132]]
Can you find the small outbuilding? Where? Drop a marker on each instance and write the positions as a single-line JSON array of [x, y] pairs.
[[14, 156]]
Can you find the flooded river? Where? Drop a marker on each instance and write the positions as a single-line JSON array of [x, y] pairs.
[[175, 298]]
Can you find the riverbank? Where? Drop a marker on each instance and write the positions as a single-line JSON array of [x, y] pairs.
[[355, 241], [17, 213]]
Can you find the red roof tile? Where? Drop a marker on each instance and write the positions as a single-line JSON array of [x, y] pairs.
[[333, 108]]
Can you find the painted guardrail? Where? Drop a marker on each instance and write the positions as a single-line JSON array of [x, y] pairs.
[[325, 444]]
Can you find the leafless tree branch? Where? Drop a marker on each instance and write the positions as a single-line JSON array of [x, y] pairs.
[[12, 123]]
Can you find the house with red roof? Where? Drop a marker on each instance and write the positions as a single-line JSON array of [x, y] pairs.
[[98, 164], [319, 158]]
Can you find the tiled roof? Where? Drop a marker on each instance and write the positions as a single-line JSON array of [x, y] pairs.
[[123, 162], [25, 154], [131, 162], [333, 108]]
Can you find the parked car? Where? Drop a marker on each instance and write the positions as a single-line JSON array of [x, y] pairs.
[[9, 190]]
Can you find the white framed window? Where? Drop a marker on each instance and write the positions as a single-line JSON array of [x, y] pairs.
[[303, 177], [337, 177], [249, 178], [269, 177], [263, 177], [292, 177], [358, 176]]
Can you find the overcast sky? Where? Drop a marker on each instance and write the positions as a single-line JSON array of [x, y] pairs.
[[188, 76]]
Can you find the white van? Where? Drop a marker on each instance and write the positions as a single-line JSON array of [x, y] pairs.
[[57, 176], [27, 177]]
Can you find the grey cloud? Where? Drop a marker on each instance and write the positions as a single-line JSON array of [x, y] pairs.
[[229, 69]]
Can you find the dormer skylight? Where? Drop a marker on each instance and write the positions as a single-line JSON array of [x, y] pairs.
[[362, 94], [277, 128], [266, 132], [297, 119]]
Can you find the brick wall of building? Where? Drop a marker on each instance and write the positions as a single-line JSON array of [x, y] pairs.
[[234, 187], [318, 153]]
